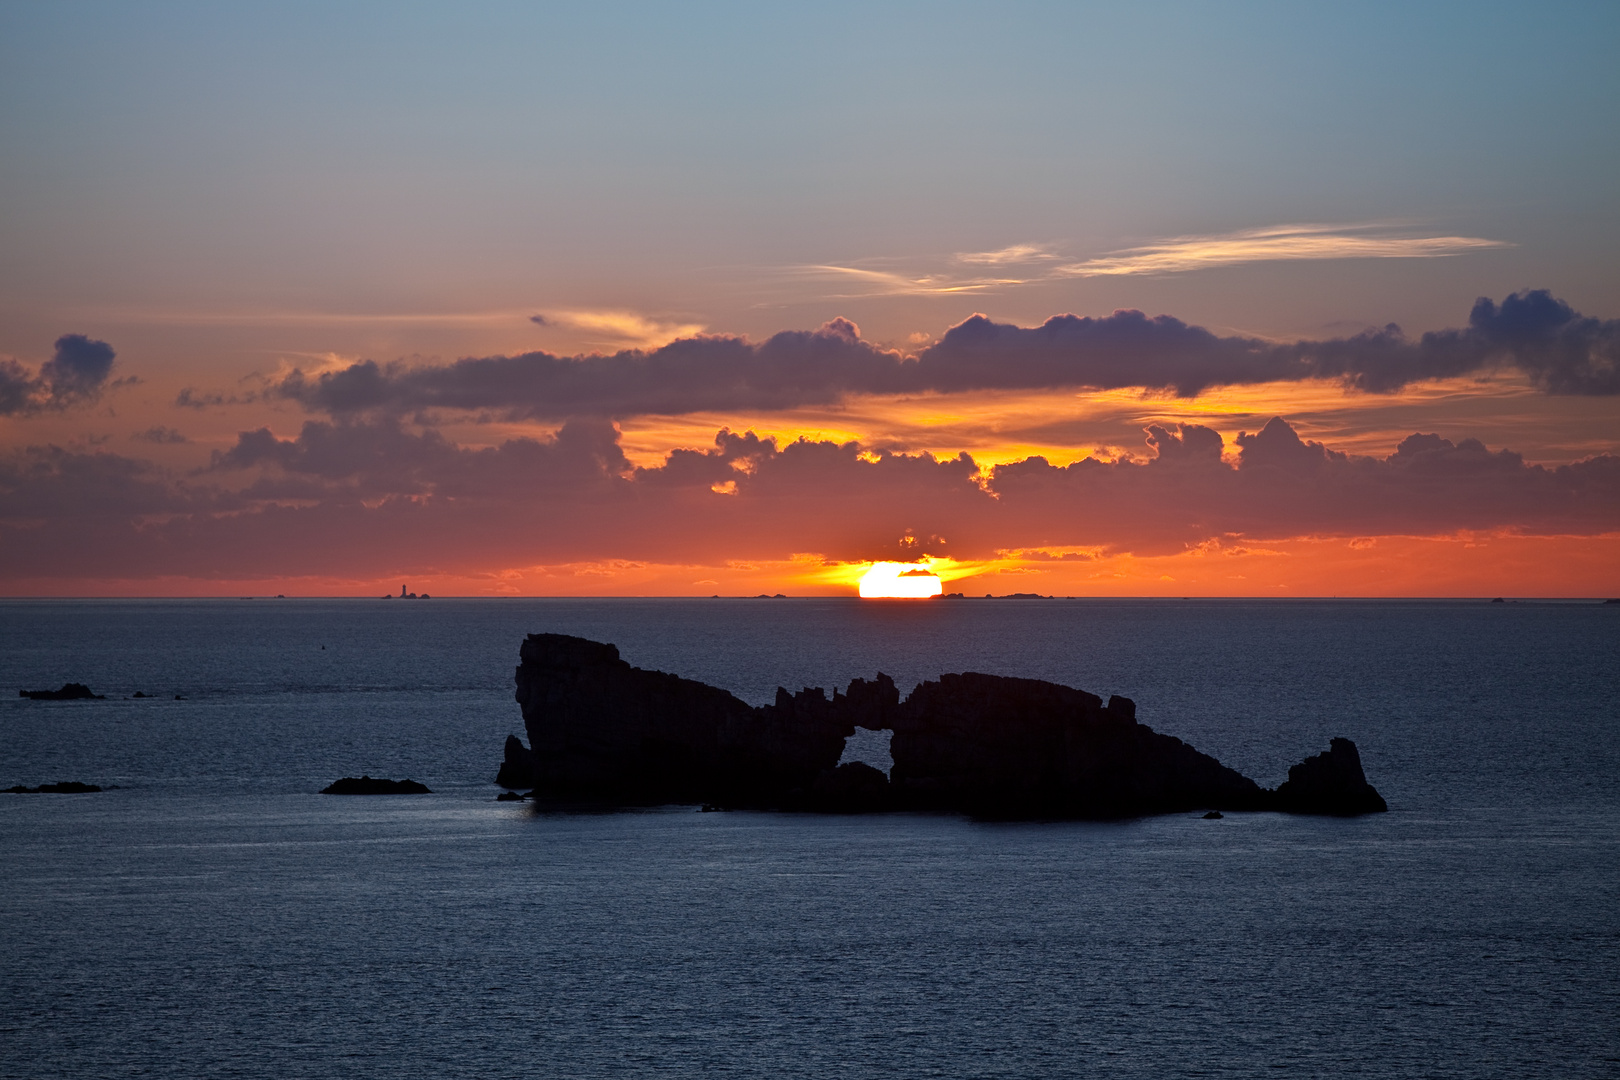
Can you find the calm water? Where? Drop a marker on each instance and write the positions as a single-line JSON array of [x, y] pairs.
[[215, 917]]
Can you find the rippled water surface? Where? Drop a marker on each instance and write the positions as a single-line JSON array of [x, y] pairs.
[[213, 916]]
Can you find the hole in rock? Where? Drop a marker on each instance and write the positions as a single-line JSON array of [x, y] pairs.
[[869, 746]]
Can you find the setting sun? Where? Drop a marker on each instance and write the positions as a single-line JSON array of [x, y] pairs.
[[900, 580]]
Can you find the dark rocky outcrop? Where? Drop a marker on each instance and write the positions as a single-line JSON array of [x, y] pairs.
[[852, 788], [63, 787], [517, 769], [601, 731], [1002, 747], [365, 785], [73, 691], [1330, 783]]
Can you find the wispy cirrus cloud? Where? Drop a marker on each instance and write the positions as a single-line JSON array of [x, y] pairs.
[[620, 328], [1181, 254], [1014, 253], [616, 327], [863, 281], [1040, 263]]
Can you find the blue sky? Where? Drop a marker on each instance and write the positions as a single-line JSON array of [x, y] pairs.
[[676, 158]]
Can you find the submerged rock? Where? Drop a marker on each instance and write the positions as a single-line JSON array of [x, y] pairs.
[[63, 787], [605, 732], [1330, 783], [73, 691], [365, 785]]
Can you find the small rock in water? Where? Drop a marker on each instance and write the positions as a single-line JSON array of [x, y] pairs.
[[365, 785], [73, 691], [64, 787], [1213, 814], [509, 796], [1330, 783]]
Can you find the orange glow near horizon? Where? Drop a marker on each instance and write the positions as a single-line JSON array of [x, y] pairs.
[[1464, 565], [1000, 426], [907, 581]]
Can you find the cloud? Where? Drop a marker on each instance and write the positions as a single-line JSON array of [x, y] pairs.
[[361, 497], [1171, 255], [1282, 486], [46, 491], [689, 375], [1560, 350], [368, 461], [1271, 244], [75, 374], [868, 282], [79, 367], [1015, 253], [166, 436], [1125, 349], [17, 388], [621, 328], [190, 398]]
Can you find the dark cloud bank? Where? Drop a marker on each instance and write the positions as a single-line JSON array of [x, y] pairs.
[[373, 497], [76, 373], [1557, 348]]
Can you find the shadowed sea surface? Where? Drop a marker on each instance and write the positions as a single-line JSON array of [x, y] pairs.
[[214, 916]]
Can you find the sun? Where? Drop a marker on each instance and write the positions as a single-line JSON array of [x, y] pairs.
[[901, 580]]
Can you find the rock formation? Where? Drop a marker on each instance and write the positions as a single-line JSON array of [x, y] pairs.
[[1330, 783], [73, 691], [517, 768], [61, 787], [601, 731], [365, 785], [1004, 747]]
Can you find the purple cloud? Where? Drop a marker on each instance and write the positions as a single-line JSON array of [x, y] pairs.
[[1561, 351], [76, 373], [343, 498]]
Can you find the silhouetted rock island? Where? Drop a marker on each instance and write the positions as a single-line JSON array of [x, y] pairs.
[[61, 787], [73, 691], [365, 785], [603, 732], [1330, 783]]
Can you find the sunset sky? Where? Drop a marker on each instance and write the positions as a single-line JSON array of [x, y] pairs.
[[684, 299]]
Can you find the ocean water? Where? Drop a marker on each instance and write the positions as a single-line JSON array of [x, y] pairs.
[[214, 916]]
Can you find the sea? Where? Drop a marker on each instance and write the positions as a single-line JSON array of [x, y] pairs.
[[212, 915]]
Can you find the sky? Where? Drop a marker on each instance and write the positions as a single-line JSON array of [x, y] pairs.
[[1184, 299]]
